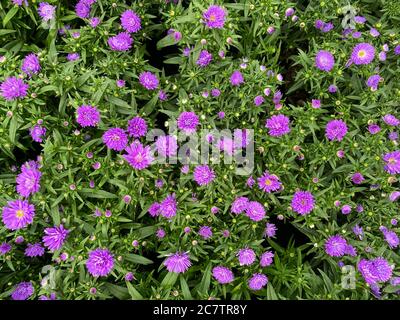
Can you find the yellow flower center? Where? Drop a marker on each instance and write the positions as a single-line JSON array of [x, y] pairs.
[[392, 160], [19, 214], [268, 182], [361, 54], [212, 17]]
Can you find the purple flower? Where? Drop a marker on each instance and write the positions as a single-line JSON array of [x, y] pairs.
[[31, 64], [204, 58], [278, 125], [130, 21], [394, 196], [187, 122], [359, 19], [168, 207], [363, 53], [255, 211], [148, 80], [100, 262], [358, 231], [37, 133], [82, 9], [267, 258], [222, 274], [336, 246], [246, 256], [94, 22], [13, 88], [393, 135], [336, 130], [28, 181], [22, 291], [46, 11], [34, 250], [391, 120], [392, 160], [205, 232], [55, 237], [138, 156], [303, 202], [179, 262], [73, 56], [239, 205], [327, 27], [324, 60], [332, 88], [397, 50], [236, 78], [346, 209], [270, 230], [160, 233], [115, 139], [391, 238], [121, 42], [5, 248], [87, 116], [258, 100], [269, 182], [167, 146], [373, 128], [373, 32], [18, 214], [154, 209], [316, 104], [373, 82], [258, 281], [203, 175], [214, 17], [375, 270], [137, 127], [357, 178]]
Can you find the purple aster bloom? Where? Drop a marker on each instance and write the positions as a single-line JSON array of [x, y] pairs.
[[31, 64], [187, 122], [332, 88], [393, 135], [269, 182], [303, 202], [55, 237], [397, 50], [37, 133], [270, 230], [94, 22], [258, 281], [205, 232], [28, 181], [73, 56], [358, 231], [392, 160], [129, 276], [250, 182], [19, 239], [236, 78], [391, 120], [363, 53], [373, 128], [391, 238], [87, 116], [336, 130], [167, 146], [394, 196], [356, 34], [359, 19], [382, 56], [120, 83], [327, 27], [346, 209], [82, 9], [239, 205], [266, 259], [179, 262], [137, 127], [278, 125], [18, 214], [121, 42], [204, 58], [162, 95], [246, 256], [203, 175], [215, 92], [255, 211], [289, 12], [351, 251], [258, 100], [324, 60], [130, 21], [316, 104], [13, 88], [336, 246], [186, 51], [115, 139], [375, 270], [138, 156], [46, 11], [357, 178], [100, 262], [373, 82], [22, 291], [168, 207], [34, 250], [214, 17], [160, 233], [148, 80], [154, 209], [319, 24], [222, 274], [375, 33], [5, 248]]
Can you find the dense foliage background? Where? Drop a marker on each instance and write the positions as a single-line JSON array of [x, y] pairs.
[[349, 168]]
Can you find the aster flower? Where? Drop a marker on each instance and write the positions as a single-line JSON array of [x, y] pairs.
[[205, 232], [255, 211], [34, 250], [5, 248], [148, 80], [203, 175], [336, 130], [17, 214], [31, 64], [167, 146], [214, 17], [324, 60], [258, 100], [204, 58], [375, 270], [222, 274], [188, 121], [130, 21], [246, 256], [100, 262], [373, 128], [46, 11], [392, 160], [363, 53], [266, 259], [336, 246], [357, 178], [160, 233], [94, 22], [13, 88], [37, 133], [258, 281], [391, 120], [270, 230], [138, 156], [277, 125], [269, 182], [115, 139], [137, 127], [303, 202], [73, 56], [55, 237], [239, 205], [87, 116], [28, 181], [121, 42], [23, 291], [179, 262], [236, 78], [391, 238], [168, 207], [82, 9]]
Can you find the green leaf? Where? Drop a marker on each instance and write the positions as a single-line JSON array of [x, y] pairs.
[[185, 288], [133, 292], [117, 291], [6, 31], [205, 281], [169, 280], [135, 258], [13, 129], [10, 14], [271, 295], [100, 194]]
